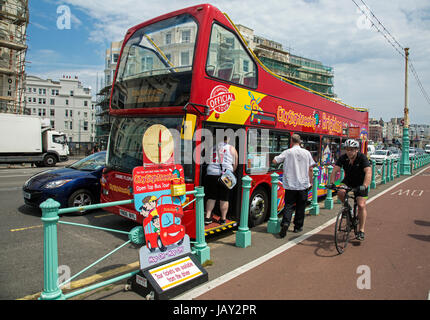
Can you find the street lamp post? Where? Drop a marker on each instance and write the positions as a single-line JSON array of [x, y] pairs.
[[405, 165]]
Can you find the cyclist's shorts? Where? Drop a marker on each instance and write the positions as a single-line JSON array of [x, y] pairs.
[[364, 194]]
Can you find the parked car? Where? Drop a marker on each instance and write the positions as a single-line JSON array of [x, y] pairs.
[[73, 186], [380, 155], [412, 152], [427, 148], [397, 154], [420, 151], [370, 149]]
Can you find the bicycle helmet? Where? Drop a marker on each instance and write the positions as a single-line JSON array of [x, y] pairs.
[[351, 143]]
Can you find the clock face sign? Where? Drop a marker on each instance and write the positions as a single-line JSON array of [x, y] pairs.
[[158, 144]]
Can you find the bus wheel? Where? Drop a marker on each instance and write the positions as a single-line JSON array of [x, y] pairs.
[[258, 207], [161, 245], [148, 245], [180, 242]]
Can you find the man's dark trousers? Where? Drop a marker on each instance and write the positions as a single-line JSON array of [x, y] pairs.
[[299, 198]]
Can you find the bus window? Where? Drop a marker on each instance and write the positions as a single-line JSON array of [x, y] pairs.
[[228, 59], [312, 144], [257, 151], [263, 147], [279, 142], [125, 144], [155, 68], [167, 220], [330, 150]]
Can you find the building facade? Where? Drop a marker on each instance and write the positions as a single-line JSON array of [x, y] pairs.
[[67, 103], [309, 73], [102, 124], [13, 48], [390, 133]]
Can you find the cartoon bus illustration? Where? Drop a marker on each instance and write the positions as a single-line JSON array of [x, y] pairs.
[[164, 227]]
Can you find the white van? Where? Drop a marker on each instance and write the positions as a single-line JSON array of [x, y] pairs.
[[427, 148]]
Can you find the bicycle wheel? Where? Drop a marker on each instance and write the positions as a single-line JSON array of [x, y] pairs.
[[341, 231]]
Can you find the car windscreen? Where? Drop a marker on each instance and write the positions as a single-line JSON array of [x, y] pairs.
[[380, 152], [91, 163]]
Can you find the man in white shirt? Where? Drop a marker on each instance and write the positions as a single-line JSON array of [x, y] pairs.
[[297, 179]]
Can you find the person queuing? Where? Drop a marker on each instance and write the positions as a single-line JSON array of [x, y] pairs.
[[297, 179], [224, 158]]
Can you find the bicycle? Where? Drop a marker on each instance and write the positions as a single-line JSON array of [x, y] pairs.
[[346, 221]]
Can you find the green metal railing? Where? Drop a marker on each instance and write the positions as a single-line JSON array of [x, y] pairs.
[[50, 218], [51, 212], [389, 170]]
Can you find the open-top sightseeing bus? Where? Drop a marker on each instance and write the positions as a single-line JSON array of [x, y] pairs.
[[191, 71]]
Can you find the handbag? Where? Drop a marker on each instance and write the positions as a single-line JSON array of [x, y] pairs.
[[227, 179]]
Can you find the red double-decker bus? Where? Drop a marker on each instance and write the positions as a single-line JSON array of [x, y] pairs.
[[190, 71]]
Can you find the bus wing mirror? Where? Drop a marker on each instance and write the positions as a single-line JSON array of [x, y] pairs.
[[188, 126]]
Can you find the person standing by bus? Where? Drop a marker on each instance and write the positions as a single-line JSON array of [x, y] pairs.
[[358, 174], [297, 179], [224, 158]]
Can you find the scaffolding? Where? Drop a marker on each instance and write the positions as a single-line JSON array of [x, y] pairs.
[[14, 19]]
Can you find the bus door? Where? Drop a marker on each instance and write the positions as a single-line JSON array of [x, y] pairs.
[[237, 140]]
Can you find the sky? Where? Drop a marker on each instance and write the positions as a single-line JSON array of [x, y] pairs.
[[368, 71]]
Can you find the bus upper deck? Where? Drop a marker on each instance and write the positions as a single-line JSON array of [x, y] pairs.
[[191, 69]]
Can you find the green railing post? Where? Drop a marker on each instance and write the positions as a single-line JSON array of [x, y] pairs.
[[398, 168], [373, 182], [51, 290], [243, 234], [392, 170], [201, 248], [342, 175], [328, 203], [273, 225], [387, 178], [388, 170], [383, 171], [315, 208]]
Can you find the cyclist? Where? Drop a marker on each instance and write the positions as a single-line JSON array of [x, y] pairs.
[[358, 174]]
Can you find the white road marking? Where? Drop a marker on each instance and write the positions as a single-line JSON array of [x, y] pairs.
[[15, 175], [237, 272]]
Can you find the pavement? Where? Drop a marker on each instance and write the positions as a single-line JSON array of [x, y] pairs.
[[71, 160], [230, 263]]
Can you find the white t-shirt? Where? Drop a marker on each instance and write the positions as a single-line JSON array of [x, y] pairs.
[[297, 162], [224, 157]]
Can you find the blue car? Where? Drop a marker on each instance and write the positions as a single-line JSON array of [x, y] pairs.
[[72, 186]]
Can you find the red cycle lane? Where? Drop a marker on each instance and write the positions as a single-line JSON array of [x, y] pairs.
[[392, 263]]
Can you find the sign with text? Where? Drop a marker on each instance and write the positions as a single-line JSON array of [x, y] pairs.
[[148, 258], [175, 273], [154, 183]]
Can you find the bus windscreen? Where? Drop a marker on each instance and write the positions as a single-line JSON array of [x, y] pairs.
[[155, 67]]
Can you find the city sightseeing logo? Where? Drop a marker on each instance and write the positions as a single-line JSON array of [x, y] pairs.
[[220, 99]]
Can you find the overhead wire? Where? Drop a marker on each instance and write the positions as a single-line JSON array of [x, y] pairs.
[[394, 43]]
